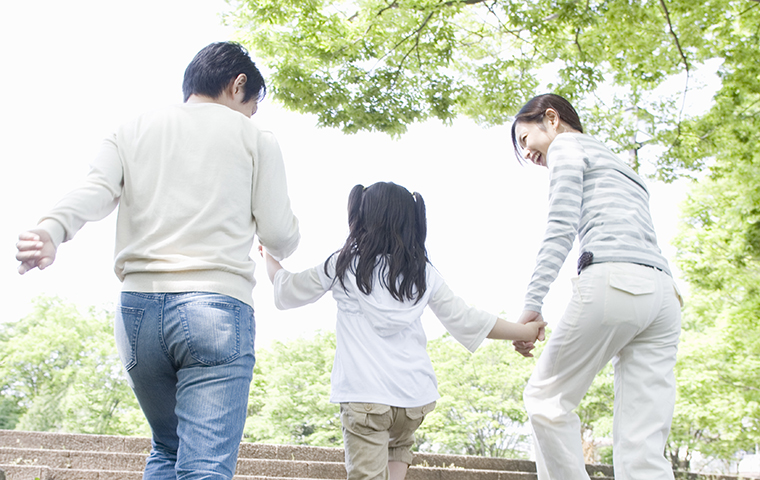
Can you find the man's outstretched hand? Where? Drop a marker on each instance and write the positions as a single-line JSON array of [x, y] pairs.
[[35, 249]]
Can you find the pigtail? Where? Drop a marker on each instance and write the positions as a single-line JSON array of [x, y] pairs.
[[349, 250], [354, 207], [387, 231], [420, 220], [418, 267]]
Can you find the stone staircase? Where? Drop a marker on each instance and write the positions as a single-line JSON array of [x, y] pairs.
[[57, 456], [60, 456]]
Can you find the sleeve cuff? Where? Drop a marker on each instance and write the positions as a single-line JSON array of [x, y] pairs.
[[55, 229]]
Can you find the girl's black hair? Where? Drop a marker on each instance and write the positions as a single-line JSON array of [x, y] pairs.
[[387, 230], [535, 110]]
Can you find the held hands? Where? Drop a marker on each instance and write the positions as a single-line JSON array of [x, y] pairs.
[[536, 330], [272, 265], [35, 249], [529, 318]]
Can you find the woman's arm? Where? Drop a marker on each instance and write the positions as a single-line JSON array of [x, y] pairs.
[[567, 162]]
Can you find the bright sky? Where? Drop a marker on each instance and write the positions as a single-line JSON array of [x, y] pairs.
[[74, 70]]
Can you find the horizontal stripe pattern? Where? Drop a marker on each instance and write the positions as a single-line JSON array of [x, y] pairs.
[[596, 196]]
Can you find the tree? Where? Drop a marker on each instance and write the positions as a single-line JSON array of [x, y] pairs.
[[60, 372], [384, 64], [290, 394], [480, 411], [595, 413], [719, 253]]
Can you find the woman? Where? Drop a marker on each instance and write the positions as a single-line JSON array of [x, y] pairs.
[[625, 306]]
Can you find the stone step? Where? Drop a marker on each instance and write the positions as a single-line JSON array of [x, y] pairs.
[[61, 456], [109, 453], [68, 441], [112, 443], [90, 463], [28, 472], [135, 462]]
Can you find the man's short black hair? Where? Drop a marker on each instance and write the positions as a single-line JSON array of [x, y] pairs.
[[218, 64]]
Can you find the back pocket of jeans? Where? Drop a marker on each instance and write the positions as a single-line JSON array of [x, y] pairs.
[[126, 331], [212, 331]]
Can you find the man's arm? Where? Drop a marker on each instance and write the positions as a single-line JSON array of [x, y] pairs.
[[93, 200]]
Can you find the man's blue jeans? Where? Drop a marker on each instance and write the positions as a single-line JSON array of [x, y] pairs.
[[189, 359]]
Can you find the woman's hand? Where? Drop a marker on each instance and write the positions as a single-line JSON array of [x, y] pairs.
[[528, 316]]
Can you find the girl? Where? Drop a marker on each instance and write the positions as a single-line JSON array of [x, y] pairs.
[[382, 280], [625, 307]]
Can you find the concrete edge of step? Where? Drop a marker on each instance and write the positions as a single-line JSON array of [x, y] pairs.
[[28, 472]]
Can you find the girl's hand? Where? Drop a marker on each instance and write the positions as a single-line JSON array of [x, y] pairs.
[[528, 317], [537, 329]]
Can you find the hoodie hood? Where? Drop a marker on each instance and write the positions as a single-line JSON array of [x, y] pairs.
[[386, 315]]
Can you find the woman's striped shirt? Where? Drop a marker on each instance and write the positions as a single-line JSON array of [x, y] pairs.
[[594, 194]]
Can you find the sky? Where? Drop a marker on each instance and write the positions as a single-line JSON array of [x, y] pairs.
[[75, 70]]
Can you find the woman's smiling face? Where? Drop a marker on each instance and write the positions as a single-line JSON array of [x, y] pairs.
[[534, 139]]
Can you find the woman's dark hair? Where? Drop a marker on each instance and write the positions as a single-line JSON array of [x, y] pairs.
[[387, 230], [535, 110], [218, 64]]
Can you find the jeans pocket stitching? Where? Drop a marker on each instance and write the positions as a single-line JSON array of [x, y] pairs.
[[136, 314], [194, 353]]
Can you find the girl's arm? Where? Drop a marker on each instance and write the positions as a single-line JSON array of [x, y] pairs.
[[504, 330], [292, 290]]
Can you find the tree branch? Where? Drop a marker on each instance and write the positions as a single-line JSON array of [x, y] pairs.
[[675, 37], [393, 4], [685, 62]]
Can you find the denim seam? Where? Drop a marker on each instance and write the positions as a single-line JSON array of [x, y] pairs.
[[161, 339], [134, 334]]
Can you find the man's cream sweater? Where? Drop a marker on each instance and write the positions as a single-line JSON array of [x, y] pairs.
[[194, 184]]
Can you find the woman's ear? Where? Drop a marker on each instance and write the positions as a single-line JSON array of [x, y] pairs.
[[552, 118]]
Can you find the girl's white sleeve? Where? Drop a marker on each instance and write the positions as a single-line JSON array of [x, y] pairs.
[[293, 290], [467, 324]]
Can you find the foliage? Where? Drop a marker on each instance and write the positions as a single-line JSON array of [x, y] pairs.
[[289, 400], [595, 413], [384, 64], [728, 133], [480, 411], [59, 371], [718, 372]]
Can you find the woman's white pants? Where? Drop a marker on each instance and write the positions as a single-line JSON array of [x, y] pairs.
[[630, 314]]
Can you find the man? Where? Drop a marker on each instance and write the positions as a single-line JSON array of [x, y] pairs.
[[194, 183]]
